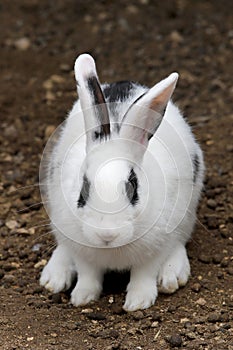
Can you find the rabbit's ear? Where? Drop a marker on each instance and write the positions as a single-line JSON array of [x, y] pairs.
[[145, 115], [92, 100]]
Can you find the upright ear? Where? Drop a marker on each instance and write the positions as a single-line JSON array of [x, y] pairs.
[[92, 100], [145, 115]]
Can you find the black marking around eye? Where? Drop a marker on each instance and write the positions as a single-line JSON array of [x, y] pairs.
[[100, 106], [84, 193], [131, 187], [196, 167]]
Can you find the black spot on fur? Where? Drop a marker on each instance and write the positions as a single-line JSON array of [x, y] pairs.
[[196, 166], [84, 194], [98, 135], [101, 107], [132, 187], [118, 91], [94, 87]]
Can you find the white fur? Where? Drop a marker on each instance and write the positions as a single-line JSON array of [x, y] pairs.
[[149, 239], [84, 67]]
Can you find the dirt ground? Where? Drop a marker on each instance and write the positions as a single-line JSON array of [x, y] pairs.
[[142, 40]]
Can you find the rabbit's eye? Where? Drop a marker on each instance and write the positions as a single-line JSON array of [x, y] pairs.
[[84, 194], [132, 187]]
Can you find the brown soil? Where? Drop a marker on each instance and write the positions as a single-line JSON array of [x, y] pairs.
[[143, 40]]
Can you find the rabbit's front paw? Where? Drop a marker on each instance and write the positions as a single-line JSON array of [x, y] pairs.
[[175, 271], [57, 275], [84, 293], [56, 279], [141, 297]]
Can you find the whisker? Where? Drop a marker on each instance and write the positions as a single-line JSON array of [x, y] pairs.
[[39, 226], [29, 186], [54, 245], [50, 248], [199, 222], [42, 235], [31, 206]]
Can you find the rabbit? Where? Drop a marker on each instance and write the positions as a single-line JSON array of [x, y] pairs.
[[123, 183]]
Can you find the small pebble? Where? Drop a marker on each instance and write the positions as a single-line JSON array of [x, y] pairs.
[[204, 258], [211, 203], [9, 278], [117, 309], [65, 67], [10, 132], [201, 302], [53, 335], [38, 290], [58, 79], [8, 267], [230, 271], [138, 315], [224, 262], [30, 338], [40, 263], [23, 231], [191, 335], [200, 319], [224, 233], [22, 44], [27, 193], [196, 287], [132, 9], [36, 247], [56, 298], [12, 224], [175, 340], [176, 37], [212, 222], [171, 308], [86, 311], [72, 326], [220, 275], [48, 84], [111, 300], [213, 317], [184, 320], [113, 334], [96, 316], [217, 258], [156, 317], [49, 130], [49, 96]]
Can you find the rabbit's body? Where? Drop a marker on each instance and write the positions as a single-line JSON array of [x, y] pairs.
[[102, 230]]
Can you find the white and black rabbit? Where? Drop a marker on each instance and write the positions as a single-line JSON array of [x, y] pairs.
[[123, 186]]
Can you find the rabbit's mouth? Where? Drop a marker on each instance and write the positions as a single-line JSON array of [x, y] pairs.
[[114, 237]]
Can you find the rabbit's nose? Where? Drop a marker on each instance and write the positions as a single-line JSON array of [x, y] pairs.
[[107, 236]]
